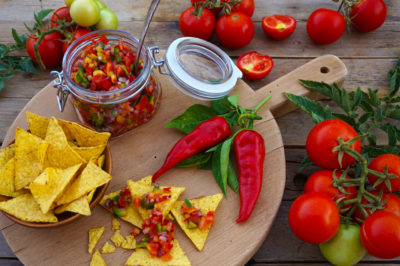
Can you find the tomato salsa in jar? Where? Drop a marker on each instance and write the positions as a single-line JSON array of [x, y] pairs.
[[107, 93]]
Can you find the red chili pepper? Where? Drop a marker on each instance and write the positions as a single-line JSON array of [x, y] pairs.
[[250, 154], [203, 137]]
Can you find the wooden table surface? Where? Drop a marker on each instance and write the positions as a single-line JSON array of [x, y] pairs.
[[367, 56]]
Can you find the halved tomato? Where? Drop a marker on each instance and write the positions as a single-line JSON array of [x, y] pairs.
[[254, 65], [278, 27]]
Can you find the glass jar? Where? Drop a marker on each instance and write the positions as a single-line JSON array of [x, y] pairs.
[[116, 110]]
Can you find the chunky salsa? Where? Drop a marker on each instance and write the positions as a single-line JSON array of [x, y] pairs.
[[195, 218], [106, 65], [119, 203], [153, 199]]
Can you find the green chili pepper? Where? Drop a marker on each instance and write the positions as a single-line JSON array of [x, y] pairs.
[[125, 70], [156, 188], [170, 217], [188, 203], [158, 228], [143, 203], [142, 244], [116, 54], [118, 212], [150, 206], [81, 79]]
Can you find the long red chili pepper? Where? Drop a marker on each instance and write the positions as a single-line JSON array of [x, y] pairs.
[[203, 137], [250, 154]]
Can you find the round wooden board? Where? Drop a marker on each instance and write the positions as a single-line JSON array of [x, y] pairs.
[[140, 153]]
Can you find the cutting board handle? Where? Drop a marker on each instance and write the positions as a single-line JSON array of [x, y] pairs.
[[326, 68]]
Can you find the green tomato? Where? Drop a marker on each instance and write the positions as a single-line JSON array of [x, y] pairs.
[[68, 2], [85, 12], [100, 4], [108, 20], [345, 248]]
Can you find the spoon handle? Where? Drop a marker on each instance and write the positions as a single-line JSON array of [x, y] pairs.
[[150, 13]]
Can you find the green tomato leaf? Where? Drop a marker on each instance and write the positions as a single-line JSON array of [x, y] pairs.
[[43, 13], [232, 179], [3, 67], [315, 109], [191, 118], [217, 170], [1, 84], [3, 50], [305, 163], [197, 159], [394, 78], [26, 65]]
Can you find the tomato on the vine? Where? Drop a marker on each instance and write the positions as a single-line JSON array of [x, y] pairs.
[[61, 14], [50, 49], [76, 35], [246, 6], [321, 181], [368, 15], [323, 137], [325, 26], [391, 162], [85, 13], [314, 217], [193, 26], [235, 30], [215, 10], [345, 248], [278, 27], [108, 20], [255, 66], [380, 235]]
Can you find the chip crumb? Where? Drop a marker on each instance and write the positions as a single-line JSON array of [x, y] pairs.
[[117, 238], [97, 260], [115, 224], [94, 236], [107, 248]]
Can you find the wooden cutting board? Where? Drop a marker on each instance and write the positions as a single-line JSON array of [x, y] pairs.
[[142, 151]]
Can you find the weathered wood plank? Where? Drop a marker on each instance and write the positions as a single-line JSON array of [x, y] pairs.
[[170, 10], [10, 262]]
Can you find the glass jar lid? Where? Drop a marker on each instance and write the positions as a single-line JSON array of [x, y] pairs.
[[200, 69]]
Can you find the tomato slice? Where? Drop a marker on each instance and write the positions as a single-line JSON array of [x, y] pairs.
[[254, 65], [278, 27]]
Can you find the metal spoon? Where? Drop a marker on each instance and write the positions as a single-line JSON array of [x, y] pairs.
[[150, 13]]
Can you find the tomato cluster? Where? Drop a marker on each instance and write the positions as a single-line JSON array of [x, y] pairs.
[[371, 214], [67, 24]]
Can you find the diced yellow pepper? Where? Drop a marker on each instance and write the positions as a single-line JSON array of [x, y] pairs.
[[98, 72]]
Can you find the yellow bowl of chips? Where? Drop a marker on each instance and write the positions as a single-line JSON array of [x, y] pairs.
[[54, 173]]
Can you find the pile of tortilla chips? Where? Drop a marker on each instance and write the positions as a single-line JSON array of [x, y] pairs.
[[54, 168], [135, 215]]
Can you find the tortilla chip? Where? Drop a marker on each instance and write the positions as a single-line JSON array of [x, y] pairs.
[[59, 153], [90, 195], [115, 224], [100, 161], [107, 248], [86, 137], [205, 204], [117, 238], [88, 153], [132, 215], [80, 206], [138, 190], [51, 184], [25, 208], [27, 161], [94, 236], [7, 187], [129, 243], [91, 177], [6, 154], [97, 260], [142, 257], [37, 124]]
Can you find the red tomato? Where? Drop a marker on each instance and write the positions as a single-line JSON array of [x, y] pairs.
[[255, 66], [193, 26], [314, 217], [321, 181], [392, 162], [235, 30], [246, 6], [324, 137], [392, 205], [61, 14], [325, 26], [50, 49], [380, 235], [368, 15], [76, 35], [278, 27]]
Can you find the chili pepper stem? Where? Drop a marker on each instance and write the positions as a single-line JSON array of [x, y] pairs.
[[262, 103]]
